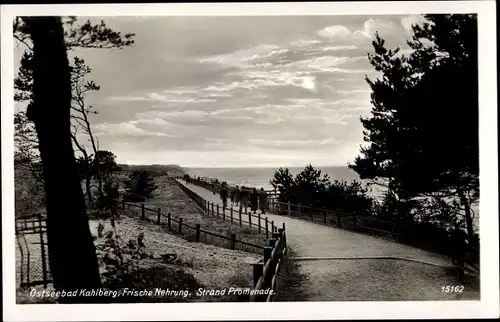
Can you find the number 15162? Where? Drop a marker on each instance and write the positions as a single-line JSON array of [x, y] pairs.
[[452, 289]]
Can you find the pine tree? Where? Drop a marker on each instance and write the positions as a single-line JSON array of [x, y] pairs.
[[141, 183], [423, 132]]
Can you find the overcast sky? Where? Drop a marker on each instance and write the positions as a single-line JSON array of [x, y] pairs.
[[237, 91]]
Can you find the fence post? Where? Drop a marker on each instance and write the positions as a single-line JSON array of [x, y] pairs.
[[267, 253], [355, 222], [289, 208], [283, 226], [300, 211], [198, 232], [233, 241], [258, 218], [143, 212], [272, 226], [258, 271], [159, 216], [224, 213], [213, 212], [239, 213], [339, 221], [123, 205], [231, 215], [180, 225], [169, 220], [250, 218], [267, 228], [217, 211], [42, 245]]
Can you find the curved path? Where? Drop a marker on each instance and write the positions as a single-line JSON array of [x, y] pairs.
[[382, 279]]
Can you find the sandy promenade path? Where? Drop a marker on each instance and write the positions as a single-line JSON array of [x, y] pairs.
[[326, 277]]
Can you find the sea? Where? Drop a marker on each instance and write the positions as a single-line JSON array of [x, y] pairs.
[[260, 177]]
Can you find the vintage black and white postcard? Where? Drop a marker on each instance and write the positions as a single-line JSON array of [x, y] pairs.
[[249, 161]]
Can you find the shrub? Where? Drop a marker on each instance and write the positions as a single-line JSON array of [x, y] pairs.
[[348, 197], [283, 182], [310, 187]]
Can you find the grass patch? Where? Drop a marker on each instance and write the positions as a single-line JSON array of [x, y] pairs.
[[171, 199], [290, 283]]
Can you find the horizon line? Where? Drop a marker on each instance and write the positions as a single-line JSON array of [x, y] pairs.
[[234, 167]]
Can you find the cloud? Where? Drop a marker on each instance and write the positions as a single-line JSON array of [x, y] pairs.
[[354, 91], [408, 21], [244, 57], [305, 43], [342, 33], [215, 93], [129, 98], [338, 48], [384, 28], [293, 144], [168, 96], [125, 129], [335, 32]]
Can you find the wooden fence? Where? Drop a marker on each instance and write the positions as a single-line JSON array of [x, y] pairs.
[[32, 260], [211, 183], [266, 273], [258, 221], [329, 217], [411, 234], [338, 219], [196, 233]]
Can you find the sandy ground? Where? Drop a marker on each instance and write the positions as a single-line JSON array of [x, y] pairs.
[[213, 267], [197, 264], [171, 199]]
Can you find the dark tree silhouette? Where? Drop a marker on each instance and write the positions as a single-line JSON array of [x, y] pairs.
[[423, 132], [86, 35], [104, 164], [283, 181], [348, 198], [80, 112], [72, 255], [310, 186], [141, 183]]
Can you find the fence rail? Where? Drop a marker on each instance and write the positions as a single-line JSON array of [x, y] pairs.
[[261, 223], [266, 273], [32, 259], [407, 233], [198, 234], [324, 216], [211, 183]]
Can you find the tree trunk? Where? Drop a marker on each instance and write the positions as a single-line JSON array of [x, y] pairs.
[[88, 174], [96, 156], [468, 213], [72, 255]]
